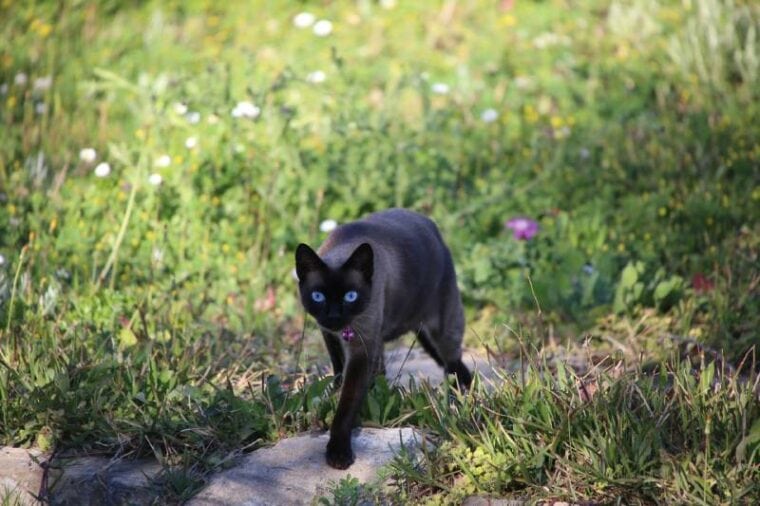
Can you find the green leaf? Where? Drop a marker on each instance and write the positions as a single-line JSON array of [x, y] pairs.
[[127, 338]]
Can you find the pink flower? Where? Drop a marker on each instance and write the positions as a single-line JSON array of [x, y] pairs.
[[701, 284], [523, 229]]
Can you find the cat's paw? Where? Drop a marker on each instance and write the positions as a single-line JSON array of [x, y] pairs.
[[339, 456]]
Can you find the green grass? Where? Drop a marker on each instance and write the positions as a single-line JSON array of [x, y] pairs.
[[161, 319]]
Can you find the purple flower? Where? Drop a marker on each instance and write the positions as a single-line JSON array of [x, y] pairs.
[[523, 229]]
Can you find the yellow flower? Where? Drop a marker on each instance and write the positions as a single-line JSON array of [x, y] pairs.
[[508, 20]]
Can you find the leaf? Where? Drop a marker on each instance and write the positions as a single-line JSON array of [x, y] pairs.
[[127, 338], [629, 276], [751, 439]]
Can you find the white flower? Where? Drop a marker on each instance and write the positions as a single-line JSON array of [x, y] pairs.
[[43, 83], [155, 179], [193, 117], [180, 108], [157, 255], [328, 225], [212, 119], [303, 19], [88, 155], [322, 28], [102, 169], [40, 108], [20, 79], [489, 115], [523, 82], [191, 142], [163, 161], [387, 4], [440, 88], [316, 77], [2, 259], [584, 153], [4, 89], [246, 110]]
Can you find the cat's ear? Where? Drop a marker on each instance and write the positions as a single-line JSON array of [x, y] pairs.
[[307, 261], [362, 260]]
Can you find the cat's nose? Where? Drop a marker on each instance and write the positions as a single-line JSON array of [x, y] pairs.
[[333, 312]]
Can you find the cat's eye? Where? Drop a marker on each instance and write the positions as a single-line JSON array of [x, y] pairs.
[[351, 296], [317, 296]]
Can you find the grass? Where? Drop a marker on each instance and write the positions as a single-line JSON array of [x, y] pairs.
[[150, 309]]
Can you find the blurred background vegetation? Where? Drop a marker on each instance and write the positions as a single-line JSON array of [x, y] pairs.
[[159, 162]]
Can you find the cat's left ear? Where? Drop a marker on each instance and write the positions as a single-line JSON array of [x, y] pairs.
[[362, 260]]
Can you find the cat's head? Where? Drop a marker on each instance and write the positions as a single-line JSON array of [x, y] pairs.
[[335, 296]]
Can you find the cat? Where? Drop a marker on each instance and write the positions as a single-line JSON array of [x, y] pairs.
[[371, 281]]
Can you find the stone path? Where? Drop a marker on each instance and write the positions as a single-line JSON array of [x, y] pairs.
[[293, 471], [290, 472], [20, 475]]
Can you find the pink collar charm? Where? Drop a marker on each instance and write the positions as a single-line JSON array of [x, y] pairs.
[[347, 334]]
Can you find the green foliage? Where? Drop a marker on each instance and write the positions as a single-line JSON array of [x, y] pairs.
[[147, 306], [673, 437]]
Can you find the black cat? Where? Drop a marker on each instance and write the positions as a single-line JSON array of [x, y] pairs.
[[372, 281]]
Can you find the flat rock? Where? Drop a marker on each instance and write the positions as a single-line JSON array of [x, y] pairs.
[[403, 365], [294, 470], [100, 480], [20, 475]]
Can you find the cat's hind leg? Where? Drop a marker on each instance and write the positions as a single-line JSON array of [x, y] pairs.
[[449, 340]]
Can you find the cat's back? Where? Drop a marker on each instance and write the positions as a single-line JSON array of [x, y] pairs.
[[390, 229], [406, 244]]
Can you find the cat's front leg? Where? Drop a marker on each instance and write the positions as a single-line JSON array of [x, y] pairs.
[[356, 380]]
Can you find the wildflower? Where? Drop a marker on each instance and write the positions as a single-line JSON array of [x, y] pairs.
[[42, 83], [523, 229], [163, 161], [191, 142], [212, 119], [303, 20], [316, 77], [193, 117], [88, 155], [180, 108], [588, 268], [2, 260], [157, 255], [102, 169], [489, 115], [40, 108], [155, 179], [523, 82], [246, 110], [328, 225], [387, 4], [440, 88], [585, 153], [701, 283], [322, 28], [20, 79]]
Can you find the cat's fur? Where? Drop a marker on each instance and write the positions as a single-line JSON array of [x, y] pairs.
[[404, 277]]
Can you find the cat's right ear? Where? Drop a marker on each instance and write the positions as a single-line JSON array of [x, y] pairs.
[[307, 261]]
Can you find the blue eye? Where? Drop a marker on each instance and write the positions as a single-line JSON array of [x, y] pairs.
[[351, 296], [317, 296]]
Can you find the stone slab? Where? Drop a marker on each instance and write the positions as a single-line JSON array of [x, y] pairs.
[[20, 475], [294, 470], [403, 365], [100, 480]]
